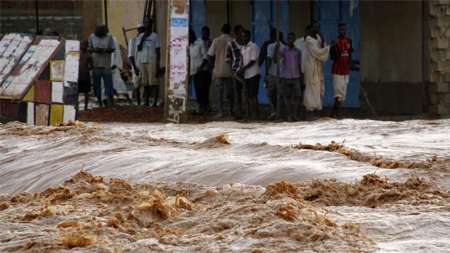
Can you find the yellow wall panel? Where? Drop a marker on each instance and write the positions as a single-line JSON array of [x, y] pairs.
[[56, 114]]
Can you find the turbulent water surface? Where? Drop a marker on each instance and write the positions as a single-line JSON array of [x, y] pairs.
[[223, 156]]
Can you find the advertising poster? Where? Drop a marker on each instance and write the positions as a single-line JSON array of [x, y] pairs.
[[57, 71], [71, 67], [178, 42]]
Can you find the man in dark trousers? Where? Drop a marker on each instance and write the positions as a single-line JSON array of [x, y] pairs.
[[101, 46], [341, 51], [263, 52], [289, 89], [198, 58], [206, 75], [272, 75], [234, 58], [222, 71], [250, 72], [84, 77]]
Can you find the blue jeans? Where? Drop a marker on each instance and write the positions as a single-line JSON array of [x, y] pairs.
[[106, 74]]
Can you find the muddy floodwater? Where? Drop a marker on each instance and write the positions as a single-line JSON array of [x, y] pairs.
[[323, 186]]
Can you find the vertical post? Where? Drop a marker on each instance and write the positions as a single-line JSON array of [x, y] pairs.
[[277, 21], [145, 11], [177, 71], [167, 55], [228, 12], [277, 18], [36, 6], [105, 9]]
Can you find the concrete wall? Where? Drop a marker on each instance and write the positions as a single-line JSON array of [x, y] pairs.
[[392, 56], [216, 14], [438, 74], [300, 16], [241, 13], [124, 14], [92, 13], [391, 41], [71, 19]]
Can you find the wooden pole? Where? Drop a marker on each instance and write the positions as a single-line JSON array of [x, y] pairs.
[[36, 6], [145, 11], [105, 9], [228, 12], [167, 82], [277, 18], [124, 31]]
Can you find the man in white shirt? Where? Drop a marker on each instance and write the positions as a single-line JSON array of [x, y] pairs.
[[250, 71], [132, 49], [273, 76], [234, 59], [198, 59], [147, 57], [300, 44], [222, 70]]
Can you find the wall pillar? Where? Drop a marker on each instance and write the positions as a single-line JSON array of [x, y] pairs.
[[439, 57]]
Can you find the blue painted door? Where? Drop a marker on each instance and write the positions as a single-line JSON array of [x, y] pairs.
[[263, 18], [198, 16], [330, 14]]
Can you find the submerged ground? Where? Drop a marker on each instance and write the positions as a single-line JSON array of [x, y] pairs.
[[350, 185]]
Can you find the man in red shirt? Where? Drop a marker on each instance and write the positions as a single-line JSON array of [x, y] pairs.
[[341, 55]]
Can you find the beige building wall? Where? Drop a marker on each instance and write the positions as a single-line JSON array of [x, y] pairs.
[[124, 13], [129, 13]]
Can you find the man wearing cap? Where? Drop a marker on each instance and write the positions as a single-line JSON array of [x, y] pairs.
[[148, 56], [132, 49]]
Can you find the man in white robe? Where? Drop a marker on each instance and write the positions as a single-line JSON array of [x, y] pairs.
[[315, 54]]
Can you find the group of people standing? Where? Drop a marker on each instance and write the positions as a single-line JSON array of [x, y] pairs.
[[231, 62], [101, 56], [294, 73]]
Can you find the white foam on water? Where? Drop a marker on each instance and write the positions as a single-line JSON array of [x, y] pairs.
[[259, 154]]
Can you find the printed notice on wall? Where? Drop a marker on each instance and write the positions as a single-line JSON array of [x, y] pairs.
[[178, 69], [71, 67]]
